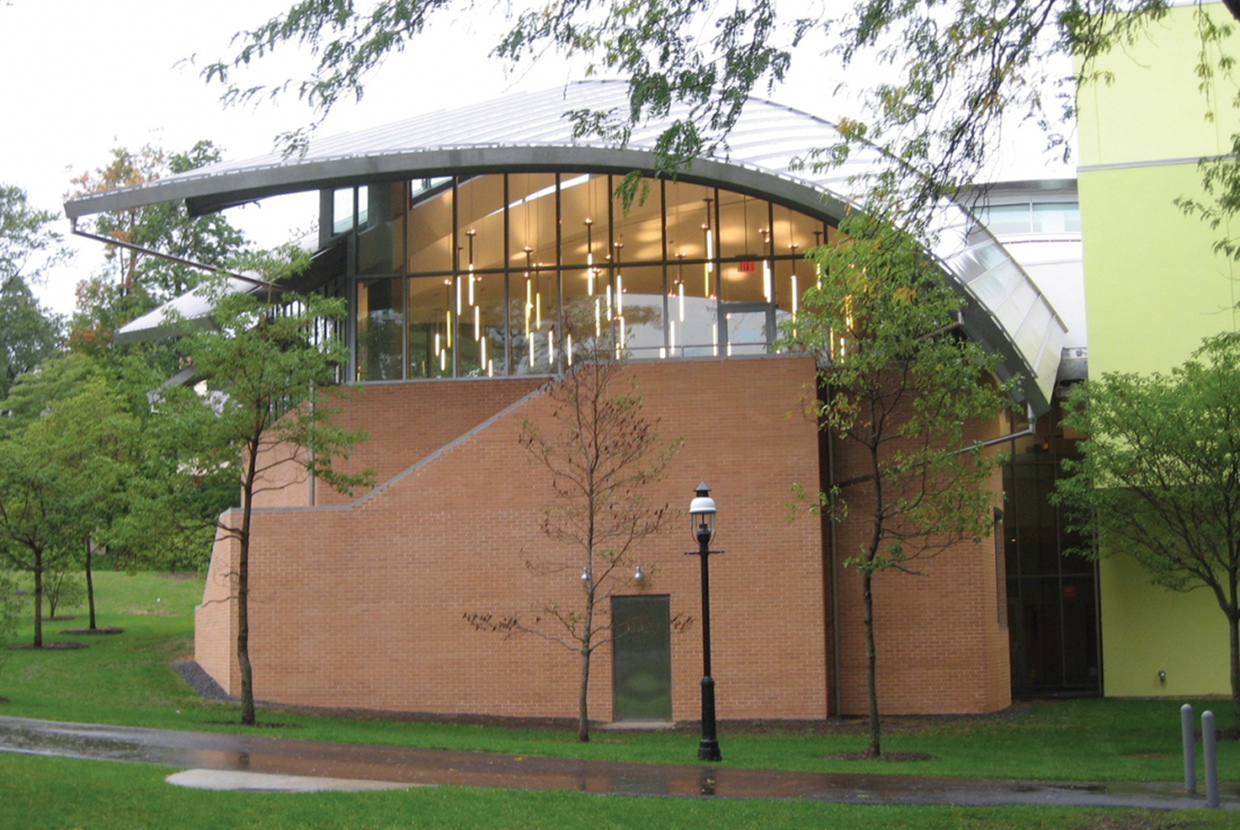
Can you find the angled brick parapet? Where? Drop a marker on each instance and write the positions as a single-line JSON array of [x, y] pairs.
[[364, 603]]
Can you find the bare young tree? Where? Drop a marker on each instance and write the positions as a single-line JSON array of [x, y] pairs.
[[601, 452]]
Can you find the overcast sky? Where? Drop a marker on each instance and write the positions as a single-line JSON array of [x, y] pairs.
[[83, 76]]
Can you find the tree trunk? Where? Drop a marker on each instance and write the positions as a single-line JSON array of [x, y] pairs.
[[53, 596], [90, 586], [587, 637], [583, 714], [38, 599], [871, 682], [243, 592], [867, 594], [243, 629], [1233, 629]]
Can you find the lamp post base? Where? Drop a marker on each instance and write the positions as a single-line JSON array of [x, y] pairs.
[[708, 750]]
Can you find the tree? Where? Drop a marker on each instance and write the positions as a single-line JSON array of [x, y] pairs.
[[601, 452], [271, 370], [62, 590], [28, 245], [135, 282], [1159, 476], [60, 475], [37, 517], [9, 611], [100, 421], [901, 384]]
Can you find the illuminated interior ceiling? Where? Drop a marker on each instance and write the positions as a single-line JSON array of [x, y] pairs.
[[1005, 310]]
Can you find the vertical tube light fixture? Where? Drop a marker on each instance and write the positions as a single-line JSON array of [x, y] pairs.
[[765, 233], [817, 266], [589, 223], [470, 233], [619, 282], [529, 296], [710, 251], [796, 296], [680, 282]]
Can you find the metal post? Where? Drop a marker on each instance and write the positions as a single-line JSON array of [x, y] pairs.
[[708, 750], [1210, 757], [1190, 750]]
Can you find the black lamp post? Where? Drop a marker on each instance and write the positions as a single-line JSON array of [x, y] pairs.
[[702, 524]]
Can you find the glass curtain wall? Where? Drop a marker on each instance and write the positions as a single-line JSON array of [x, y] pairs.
[[489, 276], [1051, 596]]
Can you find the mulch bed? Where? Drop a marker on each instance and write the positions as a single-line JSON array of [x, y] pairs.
[[92, 631], [47, 646]]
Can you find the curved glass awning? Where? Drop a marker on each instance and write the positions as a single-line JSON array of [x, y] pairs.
[[1005, 310]]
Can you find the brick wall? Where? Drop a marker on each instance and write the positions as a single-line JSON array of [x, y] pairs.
[[215, 620], [404, 424], [362, 604], [940, 647]]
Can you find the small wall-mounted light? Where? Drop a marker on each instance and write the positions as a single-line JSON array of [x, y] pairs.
[[1162, 676], [585, 574], [639, 575]]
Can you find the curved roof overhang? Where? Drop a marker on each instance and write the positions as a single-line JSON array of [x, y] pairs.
[[1004, 309]]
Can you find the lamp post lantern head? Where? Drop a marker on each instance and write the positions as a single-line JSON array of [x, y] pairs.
[[702, 515]]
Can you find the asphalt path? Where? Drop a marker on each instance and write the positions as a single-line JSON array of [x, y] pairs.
[[248, 762]]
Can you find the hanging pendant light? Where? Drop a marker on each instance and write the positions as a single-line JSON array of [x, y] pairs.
[[767, 288], [589, 223], [710, 251], [470, 233], [680, 282], [795, 293], [619, 282], [529, 297], [817, 265]]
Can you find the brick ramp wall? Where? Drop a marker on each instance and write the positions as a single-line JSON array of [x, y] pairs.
[[215, 620], [364, 605], [404, 422]]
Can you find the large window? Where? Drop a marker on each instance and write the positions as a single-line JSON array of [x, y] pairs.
[[487, 276], [1051, 596]]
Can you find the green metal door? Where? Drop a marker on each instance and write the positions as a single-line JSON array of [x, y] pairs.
[[641, 658]]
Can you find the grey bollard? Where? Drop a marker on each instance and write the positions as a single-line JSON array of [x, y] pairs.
[[1211, 757], [1190, 750]]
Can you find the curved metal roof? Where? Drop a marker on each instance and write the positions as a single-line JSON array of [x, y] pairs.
[[1005, 309]]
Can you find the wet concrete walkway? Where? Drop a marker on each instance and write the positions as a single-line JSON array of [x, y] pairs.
[[251, 762]]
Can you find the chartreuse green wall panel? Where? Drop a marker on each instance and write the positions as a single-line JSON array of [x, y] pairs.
[[1154, 287], [1153, 107], [1147, 628]]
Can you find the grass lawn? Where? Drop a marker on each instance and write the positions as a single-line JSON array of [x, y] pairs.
[[127, 679], [100, 795]]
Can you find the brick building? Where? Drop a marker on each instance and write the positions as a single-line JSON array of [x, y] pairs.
[[460, 242]]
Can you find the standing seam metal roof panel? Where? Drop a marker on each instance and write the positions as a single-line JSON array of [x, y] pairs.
[[1005, 309]]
